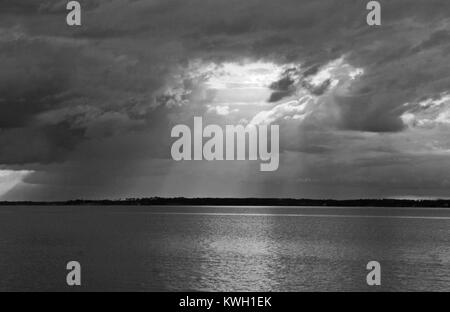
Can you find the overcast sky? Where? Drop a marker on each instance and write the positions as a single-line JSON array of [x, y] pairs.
[[86, 112]]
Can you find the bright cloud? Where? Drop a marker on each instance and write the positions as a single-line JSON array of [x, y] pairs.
[[11, 178], [246, 75], [428, 113]]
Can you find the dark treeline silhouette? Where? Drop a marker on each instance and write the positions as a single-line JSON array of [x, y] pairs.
[[241, 202]]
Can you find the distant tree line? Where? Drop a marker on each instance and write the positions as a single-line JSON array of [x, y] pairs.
[[241, 202]]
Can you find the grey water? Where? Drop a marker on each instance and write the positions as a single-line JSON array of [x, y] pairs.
[[188, 248]]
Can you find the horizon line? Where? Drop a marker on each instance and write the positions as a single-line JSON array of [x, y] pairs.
[[245, 201]]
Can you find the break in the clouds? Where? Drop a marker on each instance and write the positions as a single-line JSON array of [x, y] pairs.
[[86, 112]]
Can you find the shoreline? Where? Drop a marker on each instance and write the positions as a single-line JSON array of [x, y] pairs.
[[269, 202]]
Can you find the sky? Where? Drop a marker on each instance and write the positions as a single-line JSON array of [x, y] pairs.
[[87, 111]]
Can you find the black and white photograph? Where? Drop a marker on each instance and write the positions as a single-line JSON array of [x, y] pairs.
[[224, 146]]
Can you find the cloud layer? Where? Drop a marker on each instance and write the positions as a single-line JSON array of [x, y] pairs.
[[363, 111]]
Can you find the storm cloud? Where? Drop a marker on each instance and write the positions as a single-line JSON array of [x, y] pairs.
[[88, 110]]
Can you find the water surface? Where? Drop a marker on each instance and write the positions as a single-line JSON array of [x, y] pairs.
[[224, 248]]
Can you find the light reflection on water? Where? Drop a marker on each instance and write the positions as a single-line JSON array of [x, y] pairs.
[[128, 249]]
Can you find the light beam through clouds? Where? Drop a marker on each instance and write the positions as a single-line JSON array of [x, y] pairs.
[[10, 178]]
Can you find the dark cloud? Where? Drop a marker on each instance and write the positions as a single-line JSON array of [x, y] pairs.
[[30, 84], [440, 37], [283, 88]]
